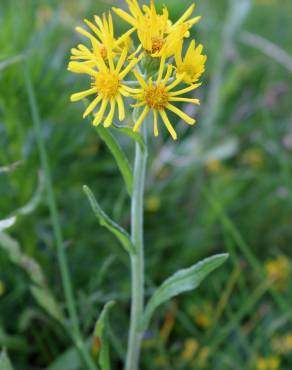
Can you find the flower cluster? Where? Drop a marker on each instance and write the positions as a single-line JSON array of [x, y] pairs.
[[158, 66]]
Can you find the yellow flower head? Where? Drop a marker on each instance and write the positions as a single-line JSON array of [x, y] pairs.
[[102, 40], [158, 96], [268, 363], [158, 36], [193, 64], [107, 85], [278, 271]]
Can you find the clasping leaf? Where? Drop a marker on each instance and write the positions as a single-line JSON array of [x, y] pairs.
[[105, 221]]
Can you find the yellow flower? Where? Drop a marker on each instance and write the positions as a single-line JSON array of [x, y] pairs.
[[107, 85], [158, 97], [278, 271], [215, 166], [102, 40], [193, 65], [158, 36], [268, 363], [283, 345], [190, 348], [253, 157], [152, 203]]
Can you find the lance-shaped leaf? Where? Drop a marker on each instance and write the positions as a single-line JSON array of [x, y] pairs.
[[38, 286], [5, 363], [119, 155], [100, 345], [182, 281], [7, 222], [120, 233]]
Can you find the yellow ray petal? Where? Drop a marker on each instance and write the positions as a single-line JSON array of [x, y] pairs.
[[181, 114], [187, 100], [139, 78], [81, 68], [93, 28], [176, 82], [99, 116], [128, 68], [161, 68], [168, 73], [125, 16], [186, 15], [83, 94], [109, 118], [168, 124], [155, 123], [91, 106], [185, 90], [121, 60], [121, 107], [140, 120]]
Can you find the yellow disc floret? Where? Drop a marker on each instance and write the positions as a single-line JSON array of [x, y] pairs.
[[107, 84], [156, 96]]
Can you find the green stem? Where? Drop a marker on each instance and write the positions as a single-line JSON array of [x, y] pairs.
[[137, 261], [65, 275]]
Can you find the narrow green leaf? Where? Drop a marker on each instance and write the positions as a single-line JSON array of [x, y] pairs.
[[39, 288], [100, 343], [105, 221], [47, 301], [128, 131], [35, 199], [7, 222], [5, 363], [182, 281], [119, 155]]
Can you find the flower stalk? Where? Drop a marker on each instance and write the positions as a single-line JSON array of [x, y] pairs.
[[137, 260]]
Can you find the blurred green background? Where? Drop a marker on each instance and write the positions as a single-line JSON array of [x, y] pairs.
[[225, 186]]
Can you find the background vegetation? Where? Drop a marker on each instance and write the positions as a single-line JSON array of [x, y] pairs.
[[225, 186]]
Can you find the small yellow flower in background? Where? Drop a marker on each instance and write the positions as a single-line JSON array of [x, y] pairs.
[[191, 346], [193, 64], [215, 166], [152, 203], [107, 85], [203, 315], [282, 344], [268, 363], [253, 157], [202, 357], [278, 271], [158, 97], [158, 36]]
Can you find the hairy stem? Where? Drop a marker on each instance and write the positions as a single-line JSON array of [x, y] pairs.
[[137, 261]]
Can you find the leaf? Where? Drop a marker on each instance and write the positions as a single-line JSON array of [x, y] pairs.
[[6, 223], [128, 131], [118, 154], [105, 221], [100, 344], [39, 288], [47, 301], [35, 199], [5, 363], [182, 281]]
